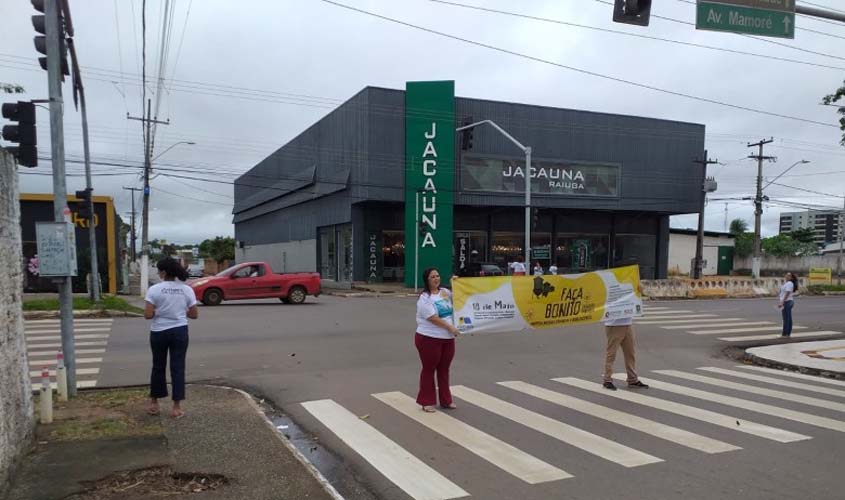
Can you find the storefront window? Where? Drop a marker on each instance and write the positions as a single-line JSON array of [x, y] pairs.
[[630, 249], [506, 248], [581, 253], [344, 242], [328, 254], [541, 249], [393, 251]]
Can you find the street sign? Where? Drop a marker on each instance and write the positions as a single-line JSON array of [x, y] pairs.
[[775, 18], [56, 246]]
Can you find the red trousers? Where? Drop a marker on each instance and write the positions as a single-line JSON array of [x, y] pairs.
[[436, 356]]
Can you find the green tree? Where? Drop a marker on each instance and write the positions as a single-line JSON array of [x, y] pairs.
[[218, 249], [738, 227], [804, 235], [833, 99], [743, 244], [784, 245]]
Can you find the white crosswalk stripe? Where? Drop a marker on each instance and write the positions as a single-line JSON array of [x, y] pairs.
[[508, 458], [770, 380], [686, 321], [717, 325], [722, 331], [587, 441], [677, 316], [820, 333], [657, 429], [43, 341], [746, 404], [403, 469], [760, 391], [722, 420], [802, 376]]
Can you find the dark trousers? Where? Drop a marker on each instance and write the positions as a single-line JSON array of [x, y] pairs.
[[786, 312], [175, 341], [436, 356]]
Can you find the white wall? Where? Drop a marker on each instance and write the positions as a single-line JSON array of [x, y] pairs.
[[288, 257], [16, 413], [682, 252]]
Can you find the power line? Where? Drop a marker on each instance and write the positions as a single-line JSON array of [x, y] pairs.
[[822, 6], [635, 35], [809, 190], [573, 68]]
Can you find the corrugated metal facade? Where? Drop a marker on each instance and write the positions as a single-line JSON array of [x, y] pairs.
[[349, 167]]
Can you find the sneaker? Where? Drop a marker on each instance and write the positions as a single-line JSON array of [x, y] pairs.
[[609, 385], [638, 385]]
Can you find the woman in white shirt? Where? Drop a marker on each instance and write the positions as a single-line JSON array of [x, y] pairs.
[[518, 267], [435, 342], [538, 269], [169, 304], [786, 299]]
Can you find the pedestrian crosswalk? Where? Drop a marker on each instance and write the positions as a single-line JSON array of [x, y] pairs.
[[725, 329], [44, 341], [718, 414]]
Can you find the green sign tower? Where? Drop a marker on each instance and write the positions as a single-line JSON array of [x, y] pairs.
[[429, 178]]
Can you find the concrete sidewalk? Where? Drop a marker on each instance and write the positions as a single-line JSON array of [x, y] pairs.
[[224, 448], [822, 358]]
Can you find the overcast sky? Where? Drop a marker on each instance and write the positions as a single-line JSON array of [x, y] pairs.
[[243, 78]]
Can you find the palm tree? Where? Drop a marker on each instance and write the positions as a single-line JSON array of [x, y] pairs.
[[738, 227]]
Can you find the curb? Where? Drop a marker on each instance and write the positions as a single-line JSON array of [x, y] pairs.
[[87, 313], [757, 360]]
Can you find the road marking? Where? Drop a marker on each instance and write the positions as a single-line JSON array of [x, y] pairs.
[[76, 321], [53, 352], [717, 325], [57, 345], [657, 429], [508, 458], [59, 337], [771, 380], [79, 371], [80, 361], [802, 376], [745, 404], [80, 384], [710, 417], [587, 441], [743, 330], [678, 316], [75, 330], [821, 333], [403, 469], [679, 321], [649, 308], [760, 391]]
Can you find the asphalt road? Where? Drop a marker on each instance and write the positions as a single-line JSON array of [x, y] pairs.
[[348, 349]]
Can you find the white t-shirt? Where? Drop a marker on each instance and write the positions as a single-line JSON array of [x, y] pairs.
[[553, 269], [788, 287], [538, 271], [518, 267], [429, 305], [619, 322], [172, 299]]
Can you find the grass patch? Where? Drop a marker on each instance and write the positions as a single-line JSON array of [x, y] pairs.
[[818, 289], [82, 304]]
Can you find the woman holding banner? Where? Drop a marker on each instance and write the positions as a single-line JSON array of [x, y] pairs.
[[435, 342]]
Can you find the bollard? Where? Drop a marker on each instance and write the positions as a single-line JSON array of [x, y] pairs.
[[46, 398], [61, 376]]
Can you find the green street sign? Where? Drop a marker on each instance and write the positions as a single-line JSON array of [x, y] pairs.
[[775, 18]]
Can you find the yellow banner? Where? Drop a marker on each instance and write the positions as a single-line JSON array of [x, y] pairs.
[[515, 303], [820, 276]]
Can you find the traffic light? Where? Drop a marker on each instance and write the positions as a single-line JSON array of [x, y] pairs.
[[23, 133], [466, 135], [40, 24], [535, 216], [632, 12], [84, 211]]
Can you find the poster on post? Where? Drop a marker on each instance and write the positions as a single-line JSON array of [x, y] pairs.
[[517, 303]]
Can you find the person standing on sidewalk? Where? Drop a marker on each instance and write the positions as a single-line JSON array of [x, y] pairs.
[[435, 342], [620, 333], [786, 300], [169, 304], [518, 267]]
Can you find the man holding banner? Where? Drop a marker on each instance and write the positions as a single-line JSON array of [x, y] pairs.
[[620, 333]]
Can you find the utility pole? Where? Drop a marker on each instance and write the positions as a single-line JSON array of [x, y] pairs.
[[726, 218], [707, 186], [758, 203], [61, 213], [132, 231], [839, 257], [145, 211]]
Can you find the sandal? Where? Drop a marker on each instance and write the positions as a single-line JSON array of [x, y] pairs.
[[450, 406], [428, 409], [153, 411]]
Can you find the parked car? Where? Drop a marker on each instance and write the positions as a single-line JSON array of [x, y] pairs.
[[256, 280], [483, 269], [195, 271]]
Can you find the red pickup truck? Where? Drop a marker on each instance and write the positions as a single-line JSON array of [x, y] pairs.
[[255, 280]]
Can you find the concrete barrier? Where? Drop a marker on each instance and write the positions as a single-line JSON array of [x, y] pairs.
[[714, 287]]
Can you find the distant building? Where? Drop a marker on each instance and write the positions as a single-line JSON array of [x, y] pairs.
[[825, 225], [718, 252]]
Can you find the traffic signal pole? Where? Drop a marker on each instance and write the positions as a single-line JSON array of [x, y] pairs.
[[61, 212]]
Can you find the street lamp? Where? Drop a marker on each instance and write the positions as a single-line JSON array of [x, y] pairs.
[[527, 151], [799, 162], [168, 149]]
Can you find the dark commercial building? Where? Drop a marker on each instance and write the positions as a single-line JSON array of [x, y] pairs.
[[357, 193]]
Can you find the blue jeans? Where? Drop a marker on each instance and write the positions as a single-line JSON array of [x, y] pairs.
[[786, 312], [174, 340]]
